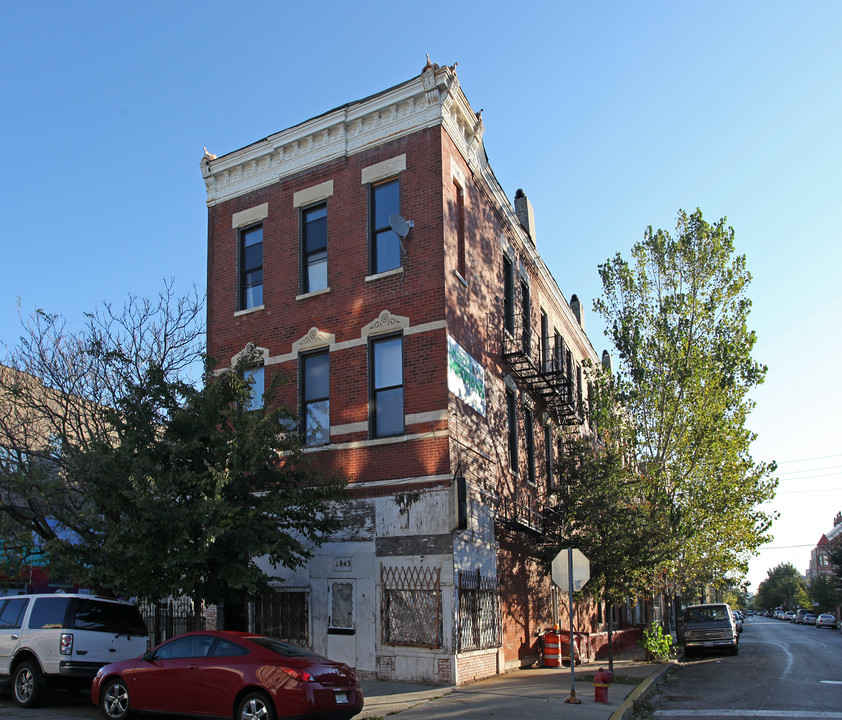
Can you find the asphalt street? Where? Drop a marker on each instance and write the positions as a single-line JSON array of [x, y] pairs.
[[782, 671]]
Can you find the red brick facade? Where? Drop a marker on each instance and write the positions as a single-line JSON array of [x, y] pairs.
[[449, 288]]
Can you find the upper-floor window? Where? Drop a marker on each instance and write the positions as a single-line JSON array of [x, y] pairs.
[[530, 445], [508, 296], [314, 248], [511, 417], [546, 351], [387, 386], [571, 380], [526, 312], [460, 230], [251, 267], [385, 200], [548, 456], [315, 398], [255, 375]]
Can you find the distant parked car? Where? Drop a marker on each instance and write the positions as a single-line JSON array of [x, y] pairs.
[[826, 620], [789, 616], [808, 619], [738, 620]]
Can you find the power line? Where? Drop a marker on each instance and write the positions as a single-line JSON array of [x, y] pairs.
[[823, 457], [796, 472]]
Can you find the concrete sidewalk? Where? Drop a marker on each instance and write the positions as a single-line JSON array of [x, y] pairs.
[[527, 693]]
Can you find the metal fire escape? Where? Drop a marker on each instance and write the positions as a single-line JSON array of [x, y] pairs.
[[543, 367]]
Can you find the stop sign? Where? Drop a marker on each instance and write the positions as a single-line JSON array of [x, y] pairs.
[[581, 569]]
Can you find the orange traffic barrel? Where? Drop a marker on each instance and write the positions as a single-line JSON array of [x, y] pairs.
[[552, 650]]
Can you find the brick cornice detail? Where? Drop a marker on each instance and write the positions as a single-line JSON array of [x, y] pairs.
[[313, 340], [385, 322]]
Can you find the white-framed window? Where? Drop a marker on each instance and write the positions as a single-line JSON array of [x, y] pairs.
[[386, 394], [315, 398]]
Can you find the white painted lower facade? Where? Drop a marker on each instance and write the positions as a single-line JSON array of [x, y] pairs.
[[400, 535]]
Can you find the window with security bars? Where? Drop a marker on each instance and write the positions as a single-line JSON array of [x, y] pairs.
[[410, 606], [284, 615], [479, 625]]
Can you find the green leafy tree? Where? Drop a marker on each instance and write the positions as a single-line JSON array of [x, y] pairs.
[[783, 588], [135, 478], [187, 504], [677, 315], [824, 593], [834, 554], [606, 508]]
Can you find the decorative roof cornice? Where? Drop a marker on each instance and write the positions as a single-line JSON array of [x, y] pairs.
[[432, 98]]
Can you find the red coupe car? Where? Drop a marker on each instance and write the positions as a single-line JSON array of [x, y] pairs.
[[224, 674]]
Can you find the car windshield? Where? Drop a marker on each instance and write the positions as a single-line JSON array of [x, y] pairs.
[[284, 649], [705, 613]]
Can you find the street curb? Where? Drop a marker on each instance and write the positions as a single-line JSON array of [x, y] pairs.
[[627, 706]]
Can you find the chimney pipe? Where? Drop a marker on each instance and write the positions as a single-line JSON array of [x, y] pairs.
[[525, 213], [576, 307]]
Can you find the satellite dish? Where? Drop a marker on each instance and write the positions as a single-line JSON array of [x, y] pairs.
[[400, 226]]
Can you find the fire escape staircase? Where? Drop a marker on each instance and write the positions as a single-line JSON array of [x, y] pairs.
[[545, 372], [543, 367]]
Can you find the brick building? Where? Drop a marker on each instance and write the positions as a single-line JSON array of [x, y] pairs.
[[372, 258], [820, 563]]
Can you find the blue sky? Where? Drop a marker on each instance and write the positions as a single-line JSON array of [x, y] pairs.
[[610, 115]]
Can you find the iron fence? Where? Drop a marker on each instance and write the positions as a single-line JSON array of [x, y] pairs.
[[171, 617]]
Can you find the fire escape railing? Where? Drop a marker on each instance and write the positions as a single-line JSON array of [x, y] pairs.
[[544, 366], [530, 513]]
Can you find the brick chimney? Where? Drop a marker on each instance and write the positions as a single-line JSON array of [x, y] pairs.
[[525, 213], [576, 307]]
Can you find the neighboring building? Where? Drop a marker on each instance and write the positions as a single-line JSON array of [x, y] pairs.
[[415, 362], [27, 446], [820, 562]]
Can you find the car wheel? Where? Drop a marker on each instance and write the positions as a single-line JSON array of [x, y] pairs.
[[114, 700], [28, 685], [256, 706]]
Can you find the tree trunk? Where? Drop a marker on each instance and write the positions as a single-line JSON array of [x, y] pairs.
[[611, 638]]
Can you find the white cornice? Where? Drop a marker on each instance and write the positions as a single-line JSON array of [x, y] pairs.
[[430, 99]]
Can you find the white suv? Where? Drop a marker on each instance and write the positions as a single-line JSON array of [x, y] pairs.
[[63, 639]]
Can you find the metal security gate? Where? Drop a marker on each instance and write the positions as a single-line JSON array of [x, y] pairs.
[[285, 615], [167, 618], [479, 624], [410, 606]]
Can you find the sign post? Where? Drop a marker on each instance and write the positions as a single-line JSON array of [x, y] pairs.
[[571, 569]]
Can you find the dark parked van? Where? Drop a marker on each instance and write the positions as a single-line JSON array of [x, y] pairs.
[[710, 627]]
